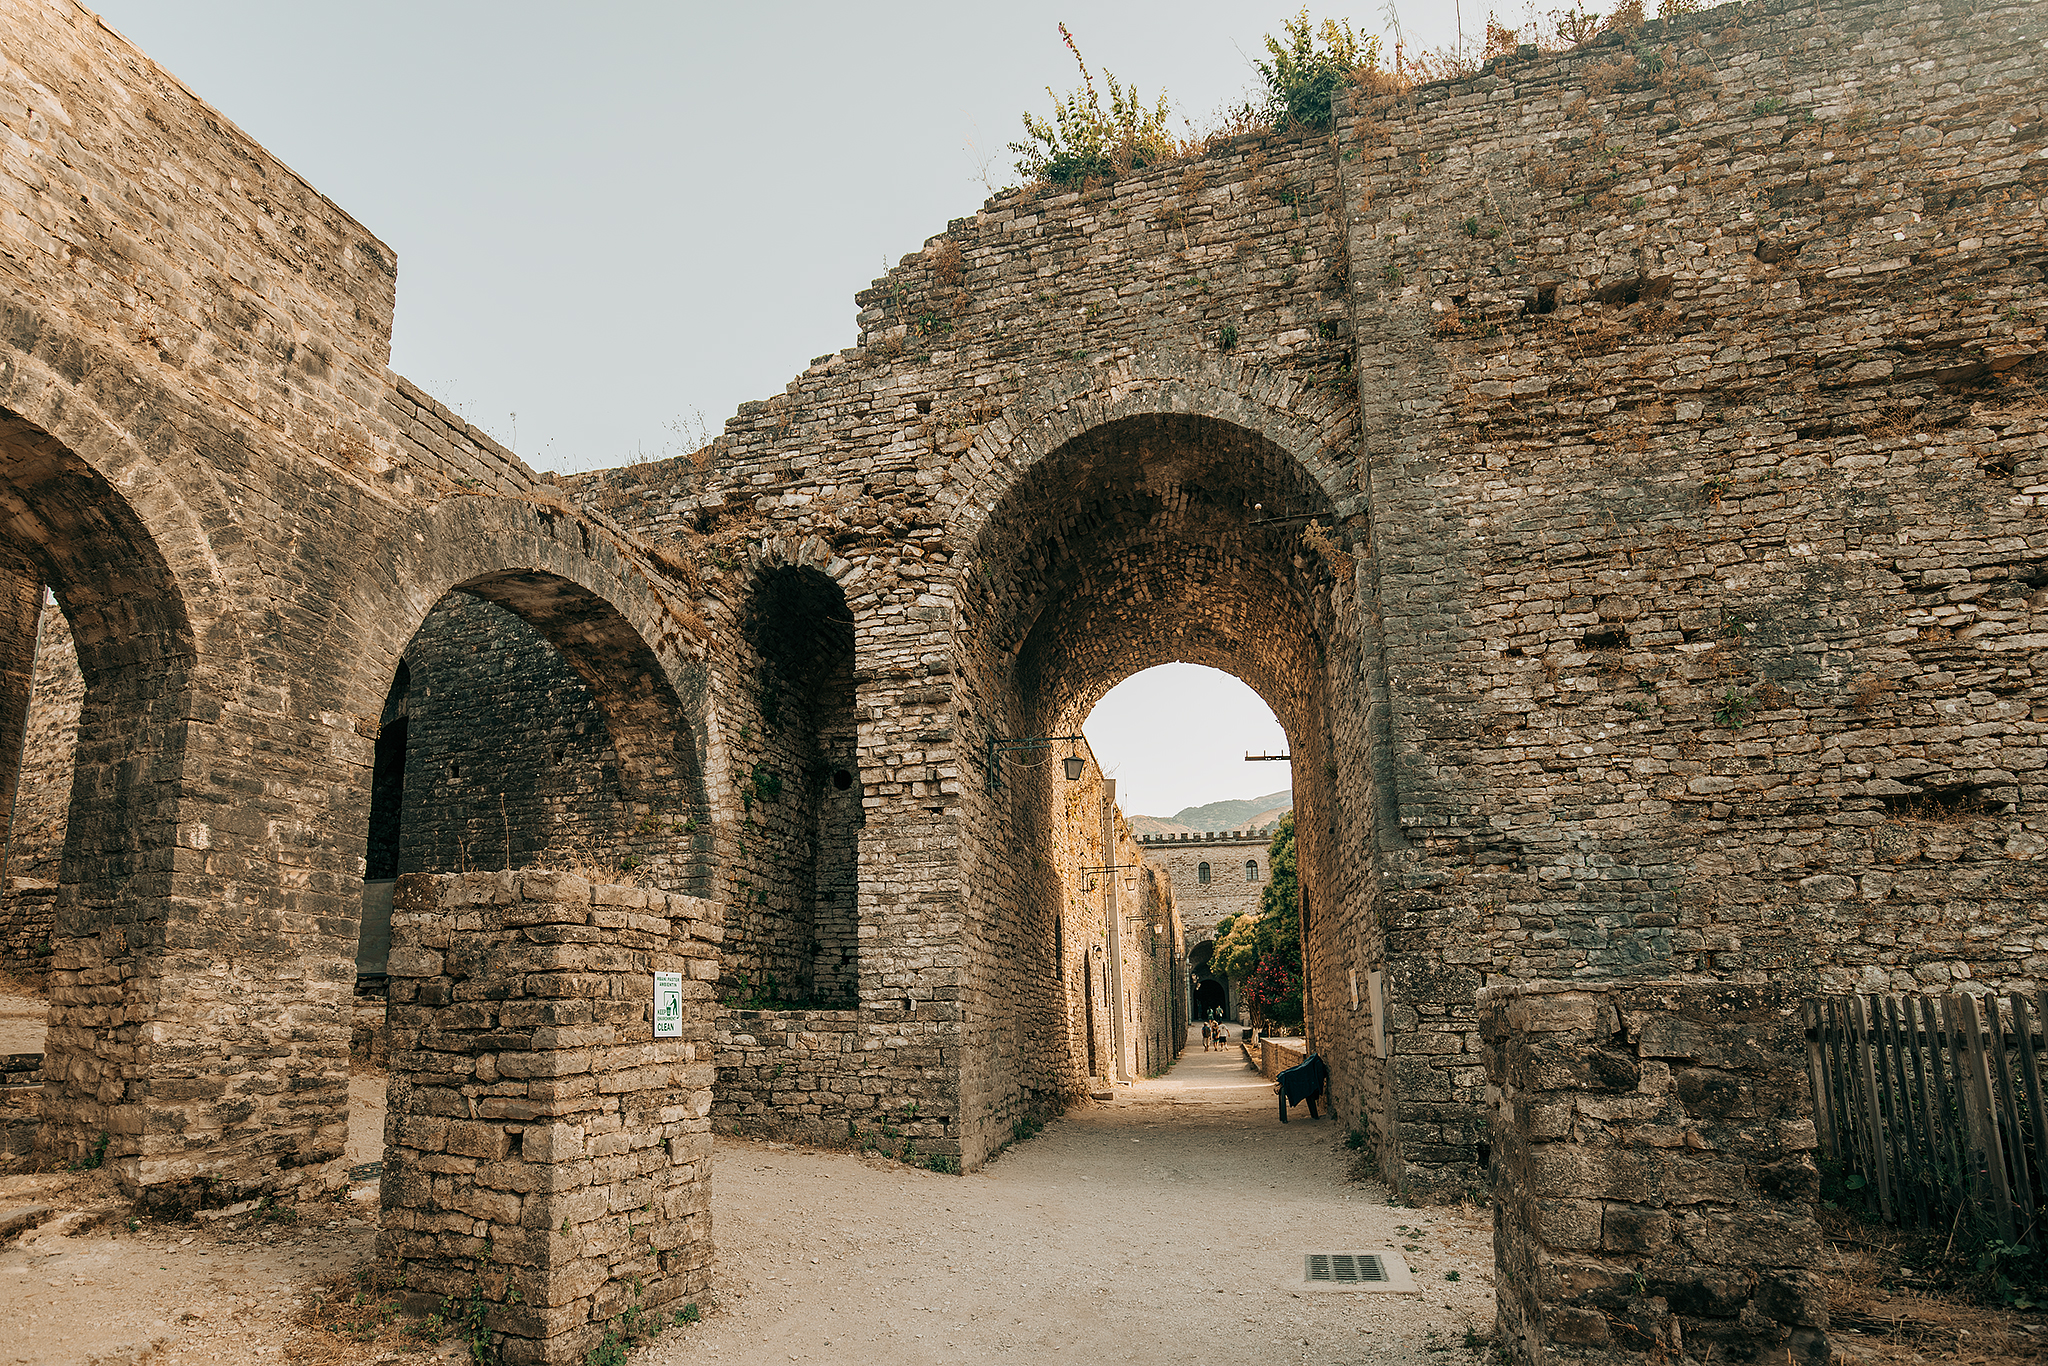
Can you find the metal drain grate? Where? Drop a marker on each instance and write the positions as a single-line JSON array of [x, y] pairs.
[[1345, 1268], [367, 1171]]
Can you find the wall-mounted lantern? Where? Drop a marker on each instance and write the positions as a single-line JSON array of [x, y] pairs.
[[1074, 764]]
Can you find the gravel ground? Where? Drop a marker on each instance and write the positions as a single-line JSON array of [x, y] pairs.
[[1167, 1224]]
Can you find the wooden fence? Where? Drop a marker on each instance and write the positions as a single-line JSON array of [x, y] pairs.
[[1936, 1103]]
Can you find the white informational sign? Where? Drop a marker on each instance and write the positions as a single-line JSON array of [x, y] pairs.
[[668, 1005]]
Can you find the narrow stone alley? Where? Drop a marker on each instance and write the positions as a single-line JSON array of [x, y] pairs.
[[1167, 1225]]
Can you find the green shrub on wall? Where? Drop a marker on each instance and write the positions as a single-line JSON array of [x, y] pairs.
[[1082, 142]]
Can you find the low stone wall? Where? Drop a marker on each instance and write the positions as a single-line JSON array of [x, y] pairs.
[[21, 1101], [542, 1149], [1277, 1055], [838, 1078], [28, 910], [1653, 1174]]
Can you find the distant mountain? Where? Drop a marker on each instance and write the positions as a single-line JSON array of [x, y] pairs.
[[1241, 815]]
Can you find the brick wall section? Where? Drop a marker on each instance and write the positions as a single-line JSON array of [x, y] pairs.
[[28, 925], [838, 1078], [1654, 1180], [505, 740], [1703, 448], [539, 1139], [447, 450], [35, 847], [42, 796], [1276, 1057], [21, 1091], [21, 603]]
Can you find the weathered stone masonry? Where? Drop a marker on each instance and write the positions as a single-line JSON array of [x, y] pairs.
[[1669, 406], [1655, 1185], [544, 1152]]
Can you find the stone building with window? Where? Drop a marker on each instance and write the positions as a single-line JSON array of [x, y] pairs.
[[1214, 873]]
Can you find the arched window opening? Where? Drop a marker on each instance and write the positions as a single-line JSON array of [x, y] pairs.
[[1201, 872], [799, 938], [1251, 870]]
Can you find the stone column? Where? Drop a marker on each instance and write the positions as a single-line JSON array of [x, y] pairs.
[[1653, 1174], [543, 1152]]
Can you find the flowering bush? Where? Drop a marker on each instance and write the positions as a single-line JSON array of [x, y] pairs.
[[1274, 990]]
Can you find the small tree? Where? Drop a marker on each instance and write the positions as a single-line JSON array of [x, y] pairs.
[[1275, 984], [1237, 947], [1264, 951], [1083, 143], [1275, 991], [1304, 76]]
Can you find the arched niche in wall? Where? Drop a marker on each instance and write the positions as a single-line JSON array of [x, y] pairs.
[[528, 725], [801, 790]]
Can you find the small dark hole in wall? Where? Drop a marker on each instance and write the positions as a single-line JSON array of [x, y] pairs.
[[1546, 299], [454, 769], [924, 405], [1955, 805], [842, 780], [515, 1143], [906, 1003], [1485, 1155], [1604, 638]]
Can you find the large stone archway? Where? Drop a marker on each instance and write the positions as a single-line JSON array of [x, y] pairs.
[[1157, 536], [1592, 528]]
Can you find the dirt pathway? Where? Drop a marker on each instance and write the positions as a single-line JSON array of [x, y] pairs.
[[1163, 1226], [1168, 1223]]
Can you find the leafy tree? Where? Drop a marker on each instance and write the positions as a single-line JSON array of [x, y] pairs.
[[1305, 75], [1264, 951], [1083, 143], [1237, 948], [1275, 991], [1275, 984]]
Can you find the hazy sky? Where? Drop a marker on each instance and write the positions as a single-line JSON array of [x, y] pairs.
[[611, 218], [1176, 736]]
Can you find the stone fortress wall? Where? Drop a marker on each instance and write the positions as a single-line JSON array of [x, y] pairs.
[[1229, 890], [1668, 411]]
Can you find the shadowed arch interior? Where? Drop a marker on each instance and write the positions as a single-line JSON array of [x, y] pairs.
[[539, 729], [797, 936], [63, 524], [66, 526], [1144, 541]]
